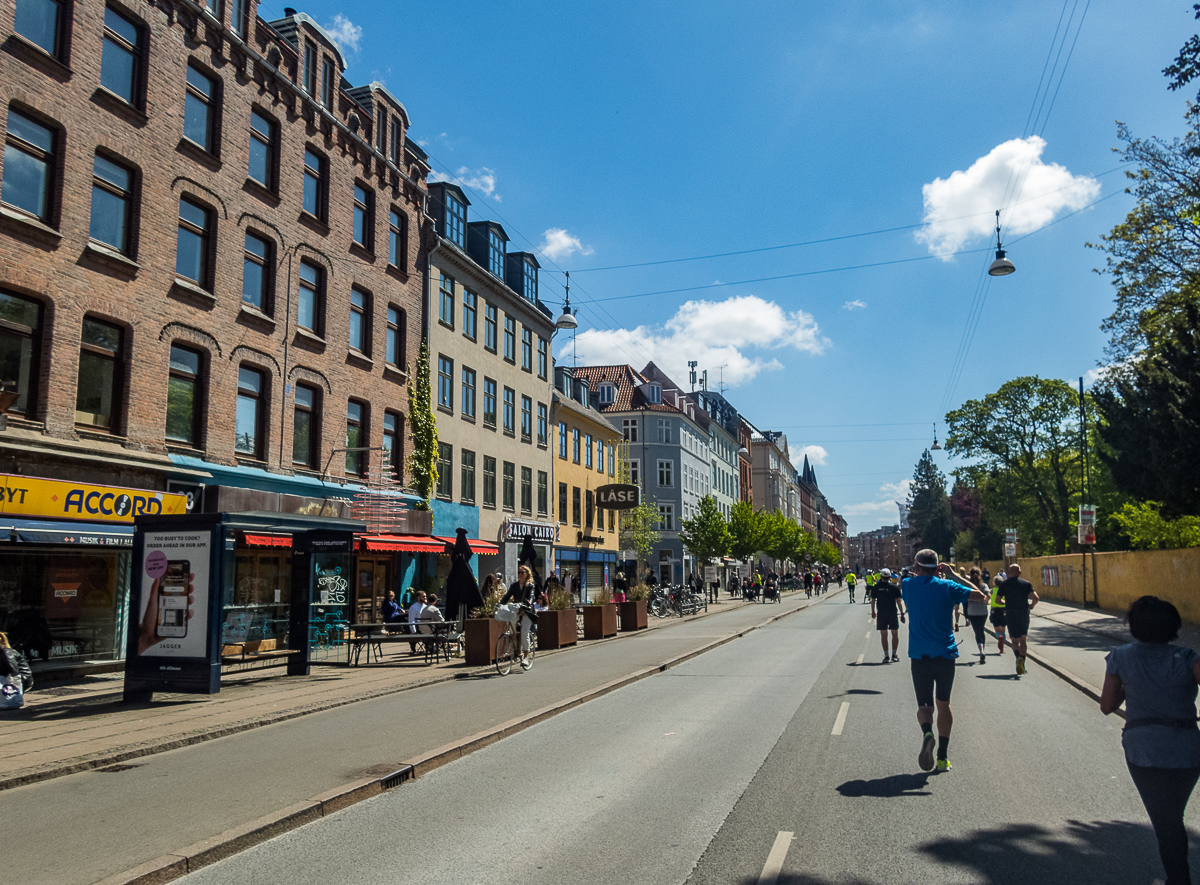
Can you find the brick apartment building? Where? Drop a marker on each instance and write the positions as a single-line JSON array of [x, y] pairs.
[[211, 268]]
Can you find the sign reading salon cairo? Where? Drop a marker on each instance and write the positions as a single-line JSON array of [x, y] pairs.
[[542, 532], [618, 496]]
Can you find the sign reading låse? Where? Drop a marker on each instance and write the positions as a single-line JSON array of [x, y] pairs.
[[617, 496]]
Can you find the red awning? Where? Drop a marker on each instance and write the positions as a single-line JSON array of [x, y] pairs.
[[477, 546], [260, 540], [405, 543]]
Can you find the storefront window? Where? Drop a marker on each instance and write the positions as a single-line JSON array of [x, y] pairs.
[[256, 604]]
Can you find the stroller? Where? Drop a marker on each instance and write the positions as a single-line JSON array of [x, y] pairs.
[[771, 592]]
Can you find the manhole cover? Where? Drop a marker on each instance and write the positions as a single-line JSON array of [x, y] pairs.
[[379, 770]]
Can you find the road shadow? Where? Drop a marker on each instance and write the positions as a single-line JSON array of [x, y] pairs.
[[869, 664], [1067, 636], [1082, 852], [1007, 677], [853, 691], [890, 787]]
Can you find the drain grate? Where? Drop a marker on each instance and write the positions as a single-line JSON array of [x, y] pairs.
[[112, 769], [396, 778]]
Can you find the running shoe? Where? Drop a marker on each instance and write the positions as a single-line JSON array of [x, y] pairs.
[[1020, 666], [982, 659], [928, 745], [895, 657], [944, 765], [886, 659]]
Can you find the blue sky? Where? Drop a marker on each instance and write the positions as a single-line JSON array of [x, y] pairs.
[[614, 134]]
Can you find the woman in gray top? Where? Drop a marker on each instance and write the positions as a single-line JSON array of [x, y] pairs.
[[1157, 681]]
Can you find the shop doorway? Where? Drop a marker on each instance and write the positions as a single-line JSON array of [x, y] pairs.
[[373, 582], [666, 567]]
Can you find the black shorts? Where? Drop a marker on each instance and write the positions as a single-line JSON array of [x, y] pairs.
[[932, 677], [887, 621], [997, 618], [1018, 625]]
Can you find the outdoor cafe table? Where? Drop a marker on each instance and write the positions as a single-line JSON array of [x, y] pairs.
[[436, 636]]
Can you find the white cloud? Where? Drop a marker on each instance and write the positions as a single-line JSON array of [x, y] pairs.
[[345, 33], [816, 455], [856, 304], [961, 209], [714, 333], [558, 244], [482, 180], [883, 508]]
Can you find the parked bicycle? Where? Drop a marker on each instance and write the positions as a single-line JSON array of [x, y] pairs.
[[675, 599]]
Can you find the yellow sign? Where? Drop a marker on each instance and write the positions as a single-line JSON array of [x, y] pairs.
[[55, 499]]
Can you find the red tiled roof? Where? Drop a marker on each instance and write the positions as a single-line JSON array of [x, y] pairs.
[[627, 381]]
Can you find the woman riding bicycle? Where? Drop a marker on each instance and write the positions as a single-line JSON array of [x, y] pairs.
[[523, 592]]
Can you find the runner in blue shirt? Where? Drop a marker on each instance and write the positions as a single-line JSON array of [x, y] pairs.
[[932, 649]]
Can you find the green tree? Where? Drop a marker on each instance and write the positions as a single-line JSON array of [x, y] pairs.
[[422, 463], [1025, 436], [1151, 420], [828, 553], [1148, 529], [745, 530], [930, 520], [706, 535], [1186, 66], [639, 530]]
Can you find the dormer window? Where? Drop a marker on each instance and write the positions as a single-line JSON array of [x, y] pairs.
[[456, 221], [654, 394], [607, 394], [530, 282], [496, 253]]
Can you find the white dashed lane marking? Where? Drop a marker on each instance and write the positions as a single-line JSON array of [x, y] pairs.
[[774, 864], [860, 658], [840, 722]]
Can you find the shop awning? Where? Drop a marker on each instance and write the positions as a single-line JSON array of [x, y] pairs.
[[487, 548], [258, 539], [402, 543], [89, 534]]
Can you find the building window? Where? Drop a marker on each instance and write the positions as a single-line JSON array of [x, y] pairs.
[[360, 321], [445, 483], [256, 273], [489, 481], [612, 520], [543, 357], [587, 448], [510, 411], [612, 460], [466, 488], [446, 301], [381, 131], [635, 471], [527, 350], [607, 394], [398, 239], [356, 421], [311, 296], [575, 444], [393, 443], [310, 67], [200, 110], [576, 508], [397, 141], [29, 166], [314, 184], [629, 429], [510, 339], [529, 281], [239, 16], [121, 57], [666, 517], [510, 483], [20, 350], [445, 398], [364, 216], [599, 456], [489, 402], [395, 337], [248, 425], [526, 419], [495, 253], [40, 22], [468, 392], [590, 510], [112, 203], [562, 440], [543, 425], [456, 221], [470, 313], [263, 142], [562, 503], [543, 492], [183, 396], [527, 490], [664, 430], [328, 83], [490, 314], [305, 426], [192, 249]]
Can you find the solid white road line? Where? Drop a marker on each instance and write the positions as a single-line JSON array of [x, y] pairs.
[[868, 634], [840, 722], [860, 658], [774, 864]]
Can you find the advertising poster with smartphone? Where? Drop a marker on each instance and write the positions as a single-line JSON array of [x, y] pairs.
[[174, 617]]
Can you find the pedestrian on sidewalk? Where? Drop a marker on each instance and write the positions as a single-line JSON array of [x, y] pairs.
[[997, 614], [887, 601], [851, 580], [977, 612], [931, 596], [1019, 600], [1157, 681]]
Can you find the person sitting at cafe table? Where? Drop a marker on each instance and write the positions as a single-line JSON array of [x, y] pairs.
[[431, 613], [391, 610], [414, 615]]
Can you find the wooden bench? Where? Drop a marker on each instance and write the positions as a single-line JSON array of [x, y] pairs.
[[437, 643], [253, 650]]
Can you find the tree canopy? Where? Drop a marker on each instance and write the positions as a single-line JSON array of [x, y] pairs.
[[706, 535], [929, 517], [745, 530]]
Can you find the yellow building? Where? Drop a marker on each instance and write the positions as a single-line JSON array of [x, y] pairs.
[[585, 457]]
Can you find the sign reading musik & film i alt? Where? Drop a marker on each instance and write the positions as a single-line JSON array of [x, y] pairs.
[[56, 499]]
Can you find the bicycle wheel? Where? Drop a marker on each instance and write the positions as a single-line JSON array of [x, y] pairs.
[[505, 652], [658, 607]]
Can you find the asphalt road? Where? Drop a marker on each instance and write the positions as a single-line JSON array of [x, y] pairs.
[[699, 775]]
